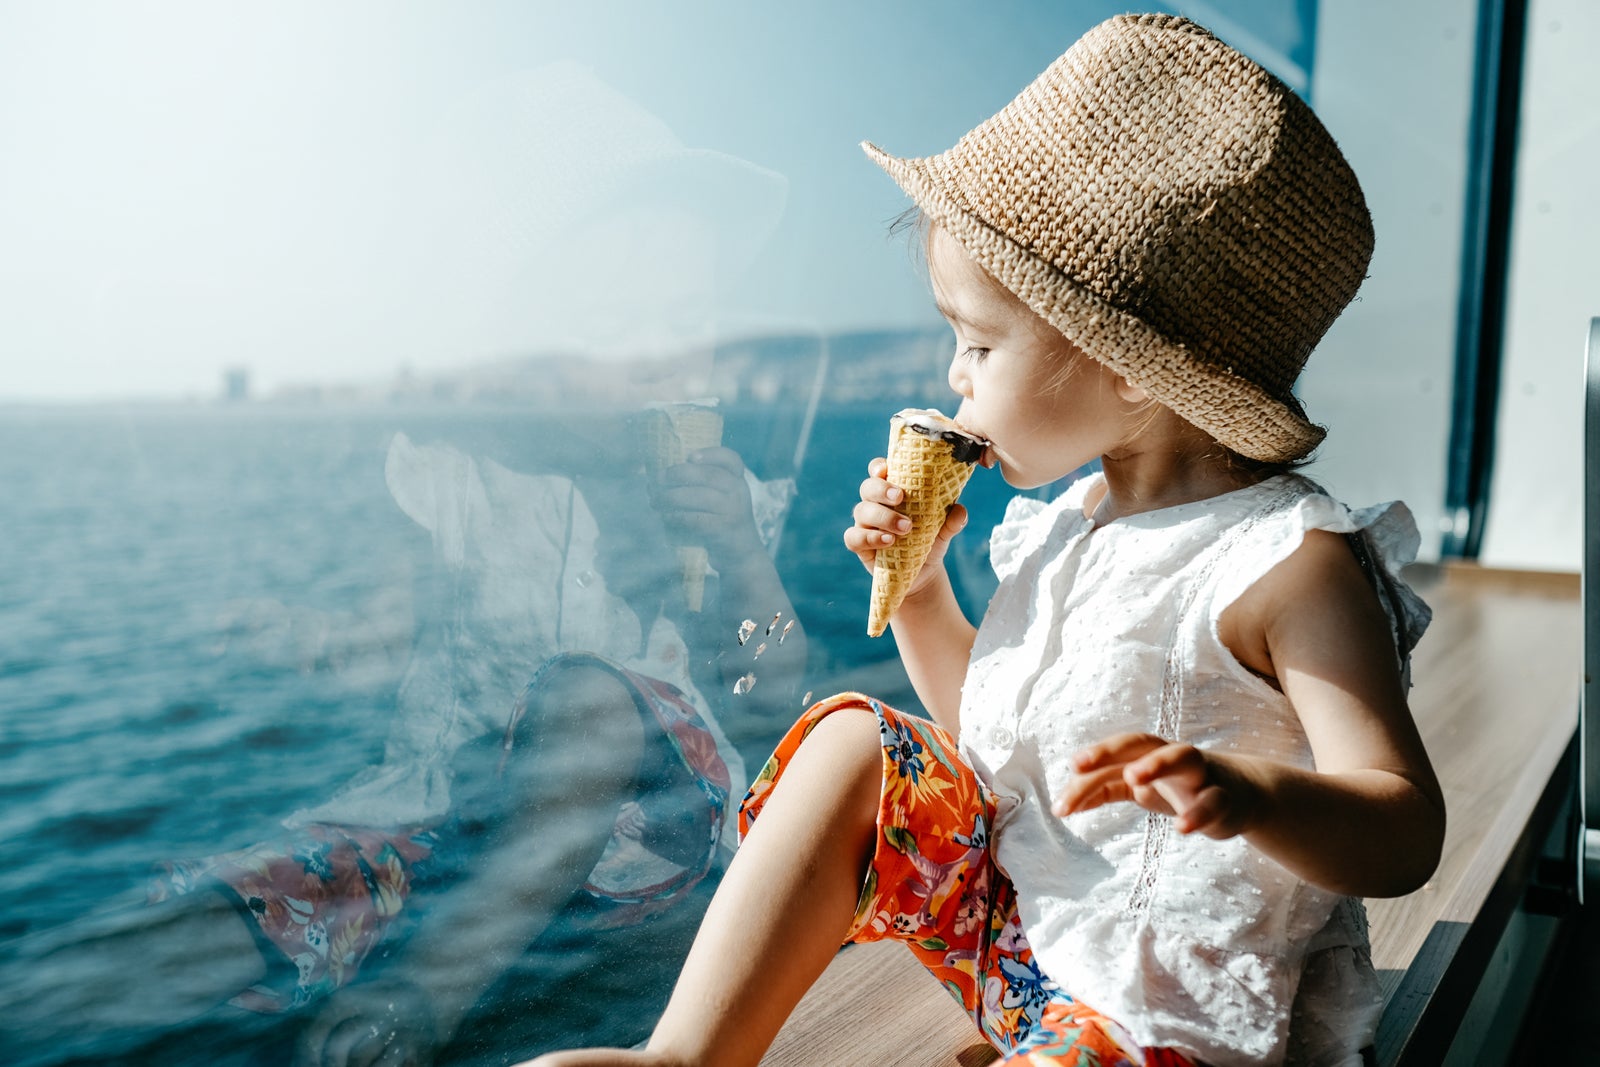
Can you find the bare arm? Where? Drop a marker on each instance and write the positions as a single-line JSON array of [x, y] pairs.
[[707, 501], [934, 636], [1369, 820], [755, 685]]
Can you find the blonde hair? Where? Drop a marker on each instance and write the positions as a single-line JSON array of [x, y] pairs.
[[916, 223]]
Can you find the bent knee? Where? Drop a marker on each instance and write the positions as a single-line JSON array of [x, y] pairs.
[[852, 733], [580, 735], [847, 742]]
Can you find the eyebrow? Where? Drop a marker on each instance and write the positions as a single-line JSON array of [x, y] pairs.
[[952, 315]]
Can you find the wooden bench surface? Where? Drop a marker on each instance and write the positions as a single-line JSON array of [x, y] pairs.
[[1496, 688]]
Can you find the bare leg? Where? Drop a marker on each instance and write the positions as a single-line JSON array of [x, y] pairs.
[[564, 784], [136, 968], [781, 912], [575, 763]]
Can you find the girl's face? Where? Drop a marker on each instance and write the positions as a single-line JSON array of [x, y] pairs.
[[1046, 408]]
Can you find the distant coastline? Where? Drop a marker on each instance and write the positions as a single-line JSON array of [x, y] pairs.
[[848, 367]]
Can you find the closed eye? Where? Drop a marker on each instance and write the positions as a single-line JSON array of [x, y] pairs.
[[974, 353]]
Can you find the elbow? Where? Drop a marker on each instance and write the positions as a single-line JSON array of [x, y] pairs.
[[1419, 852]]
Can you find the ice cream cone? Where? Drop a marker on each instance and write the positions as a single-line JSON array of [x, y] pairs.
[[931, 458], [670, 433]]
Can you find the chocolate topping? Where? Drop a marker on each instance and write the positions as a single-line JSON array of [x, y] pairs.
[[964, 447]]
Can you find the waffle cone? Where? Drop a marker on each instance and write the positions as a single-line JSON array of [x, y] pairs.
[[926, 468], [668, 435]]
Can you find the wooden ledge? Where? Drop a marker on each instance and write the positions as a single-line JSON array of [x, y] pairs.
[[1458, 572], [1496, 690]]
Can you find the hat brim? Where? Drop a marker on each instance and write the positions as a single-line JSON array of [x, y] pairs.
[[745, 202], [1236, 412]]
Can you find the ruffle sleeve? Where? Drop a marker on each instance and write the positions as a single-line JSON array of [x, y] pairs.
[[1384, 538], [1028, 521]]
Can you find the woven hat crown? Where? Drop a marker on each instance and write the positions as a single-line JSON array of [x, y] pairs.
[[1175, 211]]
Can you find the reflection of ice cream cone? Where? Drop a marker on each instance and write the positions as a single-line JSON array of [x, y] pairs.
[[931, 458], [670, 433]]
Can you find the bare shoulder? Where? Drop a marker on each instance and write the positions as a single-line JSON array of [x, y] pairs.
[[1317, 601], [1324, 563]]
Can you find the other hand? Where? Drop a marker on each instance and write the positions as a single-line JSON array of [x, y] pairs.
[[373, 1024], [1205, 792], [706, 501], [878, 523]]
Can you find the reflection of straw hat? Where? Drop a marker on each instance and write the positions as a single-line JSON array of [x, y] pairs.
[[530, 155], [526, 174], [1175, 211], [557, 146]]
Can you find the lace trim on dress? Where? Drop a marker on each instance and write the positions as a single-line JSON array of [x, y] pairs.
[[1158, 827]]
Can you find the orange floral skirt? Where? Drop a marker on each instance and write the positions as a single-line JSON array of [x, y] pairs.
[[933, 884]]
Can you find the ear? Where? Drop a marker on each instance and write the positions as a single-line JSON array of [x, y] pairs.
[[1131, 393]]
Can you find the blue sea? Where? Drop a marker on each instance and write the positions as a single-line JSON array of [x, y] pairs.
[[205, 612]]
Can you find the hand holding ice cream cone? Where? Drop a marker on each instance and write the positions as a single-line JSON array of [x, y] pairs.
[[668, 435], [930, 460]]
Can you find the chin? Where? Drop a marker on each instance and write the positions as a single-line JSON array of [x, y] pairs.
[[1018, 480]]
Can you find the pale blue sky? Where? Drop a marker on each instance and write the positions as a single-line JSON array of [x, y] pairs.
[[190, 184]]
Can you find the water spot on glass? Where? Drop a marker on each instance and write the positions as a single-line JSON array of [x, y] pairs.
[[746, 628], [762, 647], [744, 685], [786, 628], [805, 701], [773, 624], [584, 579]]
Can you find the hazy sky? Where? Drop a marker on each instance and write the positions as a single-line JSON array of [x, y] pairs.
[[327, 191]]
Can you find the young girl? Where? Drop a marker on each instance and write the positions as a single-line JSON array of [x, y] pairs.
[[1184, 748]]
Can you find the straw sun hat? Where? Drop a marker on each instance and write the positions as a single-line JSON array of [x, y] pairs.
[[1175, 211]]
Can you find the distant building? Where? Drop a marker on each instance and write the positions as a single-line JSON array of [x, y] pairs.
[[236, 385]]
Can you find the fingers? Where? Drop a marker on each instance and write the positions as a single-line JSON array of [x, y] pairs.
[[882, 522], [1168, 778], [955, 520], [363, 1042], [714, 473], [878, 490], [877, 523], [696, 508], [1092, 790], [313, 1041], [1118, 749], [1208, 814], [342, 1035], [1174, 764], [721, 458], [707, 500], [1100, 772]]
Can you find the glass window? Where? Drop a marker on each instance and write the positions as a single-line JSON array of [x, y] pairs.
[[427, 436], [1536, 501]]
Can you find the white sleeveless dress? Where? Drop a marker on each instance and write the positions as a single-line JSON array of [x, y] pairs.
[[1202, 945]]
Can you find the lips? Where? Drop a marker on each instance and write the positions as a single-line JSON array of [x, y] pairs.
[[987, 459]]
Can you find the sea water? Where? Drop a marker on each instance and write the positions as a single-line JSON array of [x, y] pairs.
[[205, 613]]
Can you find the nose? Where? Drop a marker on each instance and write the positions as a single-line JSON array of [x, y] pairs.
[[960, 382]]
